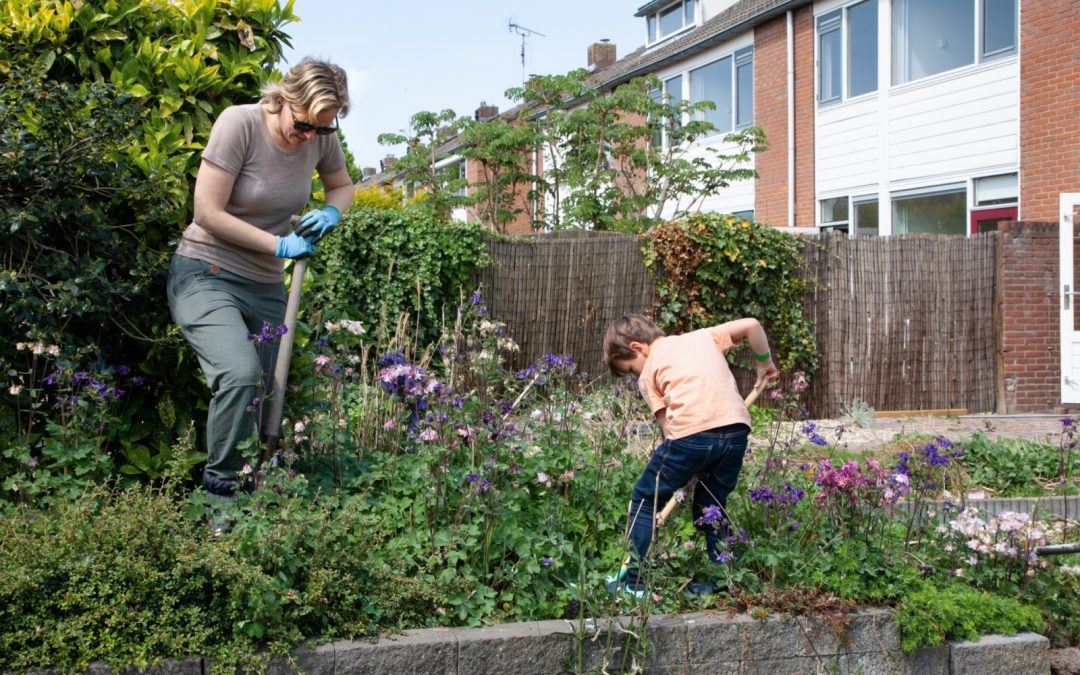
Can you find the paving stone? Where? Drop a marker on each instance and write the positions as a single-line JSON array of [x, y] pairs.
[[1023, 654]]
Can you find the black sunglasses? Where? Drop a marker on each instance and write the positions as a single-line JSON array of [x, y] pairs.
[[304, 127]]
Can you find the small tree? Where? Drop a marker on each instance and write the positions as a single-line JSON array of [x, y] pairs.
[[602, 168], [424, 167], [500, 150]]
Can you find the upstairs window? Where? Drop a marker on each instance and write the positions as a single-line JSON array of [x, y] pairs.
[[934, 36], [729, 84], [670, 20], [847, 52]]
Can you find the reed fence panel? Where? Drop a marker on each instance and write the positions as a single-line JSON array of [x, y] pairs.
[[902, 323], [557, 292]]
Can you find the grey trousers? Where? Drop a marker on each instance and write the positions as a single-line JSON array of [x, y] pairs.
[[217, 312]]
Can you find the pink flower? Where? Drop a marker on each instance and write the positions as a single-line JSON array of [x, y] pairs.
[[428, 434]]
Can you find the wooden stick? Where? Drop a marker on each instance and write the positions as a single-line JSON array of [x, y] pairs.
[[284, 357]]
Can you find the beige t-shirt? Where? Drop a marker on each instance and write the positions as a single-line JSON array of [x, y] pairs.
[[688, 377], [271, 185]]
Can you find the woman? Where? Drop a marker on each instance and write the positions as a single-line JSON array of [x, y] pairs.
[[226, 279]]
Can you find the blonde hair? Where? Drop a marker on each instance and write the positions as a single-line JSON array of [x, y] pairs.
[[624, 330], [311, 86]]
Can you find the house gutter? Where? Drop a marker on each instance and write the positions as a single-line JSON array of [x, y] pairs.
[[791, 118]]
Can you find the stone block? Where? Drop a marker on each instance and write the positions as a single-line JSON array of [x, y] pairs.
[[557, 644], [1023, 654], [774, 638], [318, 659], [504, 648], [423, 652], [191, 666], [666, 636], [718, 668], [714, 638]]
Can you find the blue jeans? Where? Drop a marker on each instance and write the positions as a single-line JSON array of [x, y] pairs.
[[715, 457]]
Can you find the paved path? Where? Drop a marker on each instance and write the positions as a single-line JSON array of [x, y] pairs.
[[1040, 428]]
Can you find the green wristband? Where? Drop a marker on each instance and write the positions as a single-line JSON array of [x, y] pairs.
[[761, 357]]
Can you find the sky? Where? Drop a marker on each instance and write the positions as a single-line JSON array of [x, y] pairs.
[[407, 56]]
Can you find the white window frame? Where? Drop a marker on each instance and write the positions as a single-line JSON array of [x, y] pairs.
[[838, 20], [930, 191], [690, 19], [899, 57], [737, 59]]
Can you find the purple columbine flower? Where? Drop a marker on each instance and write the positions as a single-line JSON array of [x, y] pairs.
[[547, 562]]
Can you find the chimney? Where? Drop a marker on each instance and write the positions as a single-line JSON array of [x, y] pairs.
[[386, 163], [367, 172], [486, 112], [601, 55]]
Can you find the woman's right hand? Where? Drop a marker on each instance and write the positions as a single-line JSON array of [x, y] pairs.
[[294, 246]]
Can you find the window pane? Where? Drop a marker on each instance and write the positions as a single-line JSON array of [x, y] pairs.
[[690, 7], [829, 57], [673, 90], [657, 128], [862, 48], [713, 83], [650, 27], [931, 214], [744, 87], [931, 36], [834, 210], [996, 190], [671, 19], [999, 26], [866, 218]]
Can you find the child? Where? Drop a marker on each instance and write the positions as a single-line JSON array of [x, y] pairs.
[[687, 384]]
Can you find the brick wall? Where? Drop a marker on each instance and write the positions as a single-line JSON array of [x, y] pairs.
[[1049, 95], [1030, 317], [522, 223], [770, 112]]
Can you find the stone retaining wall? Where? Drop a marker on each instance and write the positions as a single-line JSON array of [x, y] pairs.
[[690, 644]]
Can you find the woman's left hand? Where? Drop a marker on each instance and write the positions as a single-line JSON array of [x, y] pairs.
[[314, 225]]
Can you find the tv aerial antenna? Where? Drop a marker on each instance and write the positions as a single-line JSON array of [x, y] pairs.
[[524, 33]]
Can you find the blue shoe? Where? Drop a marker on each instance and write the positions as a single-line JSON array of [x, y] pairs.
[[620, 587]]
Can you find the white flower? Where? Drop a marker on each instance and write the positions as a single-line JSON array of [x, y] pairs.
[[15, 389], [299, 427]]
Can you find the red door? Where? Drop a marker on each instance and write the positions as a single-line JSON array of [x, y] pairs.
[[987, 220]]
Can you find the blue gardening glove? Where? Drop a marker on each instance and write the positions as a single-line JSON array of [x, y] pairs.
[[294, 246], [314, 225]]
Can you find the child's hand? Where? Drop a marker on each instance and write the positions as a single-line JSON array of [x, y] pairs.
[[766, 373]]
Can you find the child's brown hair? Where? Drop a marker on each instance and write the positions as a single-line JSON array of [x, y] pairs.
[[624, 330]]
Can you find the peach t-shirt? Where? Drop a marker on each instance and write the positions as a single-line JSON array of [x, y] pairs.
[[688, 376]]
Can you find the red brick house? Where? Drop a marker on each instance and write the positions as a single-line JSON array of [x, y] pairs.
[[900, 116]]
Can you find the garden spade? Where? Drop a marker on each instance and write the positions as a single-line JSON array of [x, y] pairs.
[[688, 492], [284, 356]]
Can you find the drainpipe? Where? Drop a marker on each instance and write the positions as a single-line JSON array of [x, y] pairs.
[[791, 119]]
